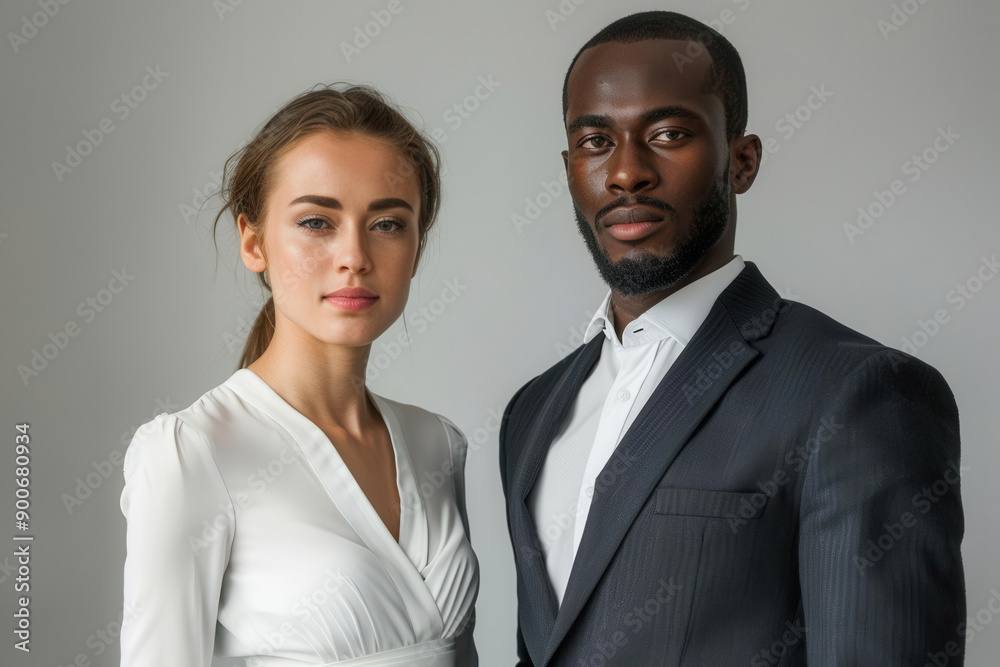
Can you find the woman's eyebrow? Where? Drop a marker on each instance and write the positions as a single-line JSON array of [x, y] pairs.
[[330, 202], [389, 202], [318, 200]]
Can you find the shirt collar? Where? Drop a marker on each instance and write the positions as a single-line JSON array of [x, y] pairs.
[[677, 316]]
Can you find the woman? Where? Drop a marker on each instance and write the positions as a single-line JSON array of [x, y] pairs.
[[279, 518]]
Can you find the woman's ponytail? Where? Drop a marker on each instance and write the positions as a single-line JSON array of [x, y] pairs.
[[260, 334]]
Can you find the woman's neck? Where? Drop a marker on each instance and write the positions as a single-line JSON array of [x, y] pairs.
[[324, 382]]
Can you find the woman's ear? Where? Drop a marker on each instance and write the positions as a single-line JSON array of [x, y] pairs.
[[416, 263], [251, 246]]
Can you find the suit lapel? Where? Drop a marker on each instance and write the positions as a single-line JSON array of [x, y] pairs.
[[538, 602], [698, 378]]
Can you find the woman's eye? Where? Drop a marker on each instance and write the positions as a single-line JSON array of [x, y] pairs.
[[309, 223], [389, 225]]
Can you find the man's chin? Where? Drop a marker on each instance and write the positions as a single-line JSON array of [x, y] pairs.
[[649, 253], [643, 274]]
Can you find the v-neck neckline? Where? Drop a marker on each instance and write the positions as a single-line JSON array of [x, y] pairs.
[[324, 458]]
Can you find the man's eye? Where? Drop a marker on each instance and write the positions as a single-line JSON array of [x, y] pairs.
[[670, 135], [595, 142]]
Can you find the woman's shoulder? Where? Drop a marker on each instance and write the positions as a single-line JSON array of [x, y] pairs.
[[175, 489], [415, 420], [187, 432]]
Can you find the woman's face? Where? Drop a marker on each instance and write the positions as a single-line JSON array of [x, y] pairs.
[[340, 237]]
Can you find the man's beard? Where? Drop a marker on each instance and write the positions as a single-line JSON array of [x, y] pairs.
[[641, 271]]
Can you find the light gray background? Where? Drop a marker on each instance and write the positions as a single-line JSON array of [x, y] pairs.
[[169, 336]]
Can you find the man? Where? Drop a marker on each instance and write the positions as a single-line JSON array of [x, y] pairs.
[[717, 476]]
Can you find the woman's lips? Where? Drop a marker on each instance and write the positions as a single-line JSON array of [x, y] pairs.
[[351, 302], [351, 298]]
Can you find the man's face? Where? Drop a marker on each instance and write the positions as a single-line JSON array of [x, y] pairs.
[[648, 163]]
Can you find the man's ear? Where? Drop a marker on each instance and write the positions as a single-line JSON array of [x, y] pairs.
[[744, 162], [565, 155], [251, 246]]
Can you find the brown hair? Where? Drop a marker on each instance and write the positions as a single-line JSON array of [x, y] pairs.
[[248, 173]]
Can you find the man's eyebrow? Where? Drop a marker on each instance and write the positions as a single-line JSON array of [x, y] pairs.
[[330, 202], [604, 122], [589, 120], [662, 113]]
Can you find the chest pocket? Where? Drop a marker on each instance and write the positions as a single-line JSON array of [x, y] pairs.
[[710, 503]]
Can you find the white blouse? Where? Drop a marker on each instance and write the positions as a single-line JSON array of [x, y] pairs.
[[247, 536]]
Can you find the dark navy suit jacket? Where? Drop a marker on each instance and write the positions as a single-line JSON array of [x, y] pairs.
[[789, 495]]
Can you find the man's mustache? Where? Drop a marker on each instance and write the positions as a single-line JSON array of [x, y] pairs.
[[635, 200]]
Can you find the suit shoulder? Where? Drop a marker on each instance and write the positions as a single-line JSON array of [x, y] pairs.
[[804, 326], [818, 327], [810, 331], [541, 384]]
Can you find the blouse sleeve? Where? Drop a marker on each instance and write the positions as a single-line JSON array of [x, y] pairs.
[[180, 526], [459, 446]]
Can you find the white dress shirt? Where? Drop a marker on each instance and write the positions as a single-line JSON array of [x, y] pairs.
[[248, 537], [610, 399]]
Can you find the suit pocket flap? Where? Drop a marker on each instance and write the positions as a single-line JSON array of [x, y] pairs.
[[709, 503]]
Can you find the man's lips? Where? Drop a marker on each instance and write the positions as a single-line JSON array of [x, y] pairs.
[[632, 223], [624, 215]]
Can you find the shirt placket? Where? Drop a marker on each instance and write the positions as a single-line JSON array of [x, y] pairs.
[[635, 364]]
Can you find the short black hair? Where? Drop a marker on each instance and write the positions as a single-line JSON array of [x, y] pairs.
[[728, 78]]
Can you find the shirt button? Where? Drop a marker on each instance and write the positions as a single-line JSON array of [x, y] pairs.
[[624, 395]]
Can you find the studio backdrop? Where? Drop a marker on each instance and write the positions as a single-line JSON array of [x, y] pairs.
[[873, 204]]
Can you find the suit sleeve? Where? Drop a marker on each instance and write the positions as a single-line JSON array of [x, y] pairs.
[[523, 659], [180, 526], [881, 521]]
